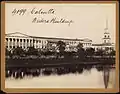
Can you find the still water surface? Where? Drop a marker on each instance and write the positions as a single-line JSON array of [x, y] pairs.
[[87, 79]]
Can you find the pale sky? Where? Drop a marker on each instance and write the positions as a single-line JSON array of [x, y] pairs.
[[89, 20]]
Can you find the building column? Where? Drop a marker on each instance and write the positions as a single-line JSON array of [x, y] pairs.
[[25, 43], [22, 44], [16, 44], [11, 42], [5, 42], [8, 44], [38, 46], [34, 44]]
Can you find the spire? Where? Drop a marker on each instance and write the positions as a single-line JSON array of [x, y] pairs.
[[106, 27]]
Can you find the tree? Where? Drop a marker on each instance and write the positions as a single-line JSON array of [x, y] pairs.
[[100, 52], [112, 53], [18, 51], [7, 52], [39, 52], [106, 52], [68, 55], [61, 46], [49, 46], [80, 51], [79, 46], [90, 51], [32, 51]]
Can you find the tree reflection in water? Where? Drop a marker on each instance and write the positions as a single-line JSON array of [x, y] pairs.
[[20, 73], [35, 72], [99, 68]]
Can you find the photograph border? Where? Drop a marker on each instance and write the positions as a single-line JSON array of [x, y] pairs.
[[55, 90]]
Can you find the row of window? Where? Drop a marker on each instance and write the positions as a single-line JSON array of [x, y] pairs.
[[106, 36], [71, 42], [76, 42], [19, 46], [24, 40], [109, 48], [105, 41], [21, 42], [24, 46], [86, 43]]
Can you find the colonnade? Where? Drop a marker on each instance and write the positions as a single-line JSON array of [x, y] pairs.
[[24, 43]]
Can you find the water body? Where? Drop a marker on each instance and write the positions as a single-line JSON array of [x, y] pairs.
[[87, 79]]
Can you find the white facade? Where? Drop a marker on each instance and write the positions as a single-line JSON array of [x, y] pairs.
[[17, 39], [14, 40], [103, 46]]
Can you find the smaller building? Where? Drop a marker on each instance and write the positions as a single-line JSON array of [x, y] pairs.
[[107, 47], [106, 43]]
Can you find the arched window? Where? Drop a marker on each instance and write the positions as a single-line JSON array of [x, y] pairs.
[[105, 36], [104, 41], [20, 40], [6, 39], [27, 40], [14, 40], [10, 39], [17, 40], [24, 40]]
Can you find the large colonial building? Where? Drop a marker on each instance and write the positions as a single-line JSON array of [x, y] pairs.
[[17, 39]]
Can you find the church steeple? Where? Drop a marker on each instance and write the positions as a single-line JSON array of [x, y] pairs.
[[106, 27], [106, 39]]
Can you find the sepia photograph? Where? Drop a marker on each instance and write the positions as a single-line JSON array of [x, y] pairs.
[[60, 45]]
